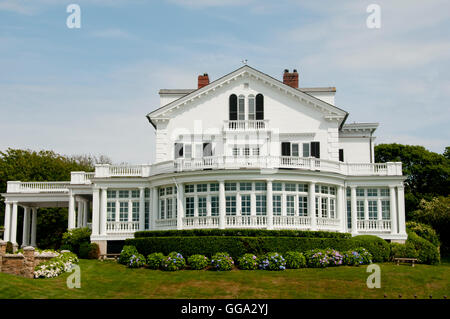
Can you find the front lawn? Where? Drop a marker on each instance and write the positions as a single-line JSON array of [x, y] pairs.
[[107, 279]]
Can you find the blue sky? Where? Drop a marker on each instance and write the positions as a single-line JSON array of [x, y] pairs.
[[87, 90]]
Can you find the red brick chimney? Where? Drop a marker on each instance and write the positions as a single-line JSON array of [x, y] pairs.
[[203, 80], [291, 79]]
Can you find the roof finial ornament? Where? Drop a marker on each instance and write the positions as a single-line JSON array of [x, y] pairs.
[[244, 61]]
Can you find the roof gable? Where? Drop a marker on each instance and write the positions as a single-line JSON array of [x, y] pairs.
[[330, 112]]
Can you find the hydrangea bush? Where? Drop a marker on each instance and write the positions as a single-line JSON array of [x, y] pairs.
[[248, 262], [272, 261], [154, 260], [136, 261], [335, 258], [126, 253], [295, 260], [56, 266], [198, 262], [222, 261], [172, 262], [365, 255], [316, 258]]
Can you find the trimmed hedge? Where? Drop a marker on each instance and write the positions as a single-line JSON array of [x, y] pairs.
[[240, 232], [427, 252], [378, 247], [237, 246]]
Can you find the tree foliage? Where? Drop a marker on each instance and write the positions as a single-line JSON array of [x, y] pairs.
[[27, 165], [427, 173], [436, 213]]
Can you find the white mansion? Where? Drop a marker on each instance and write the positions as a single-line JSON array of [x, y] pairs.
[[244, 151]]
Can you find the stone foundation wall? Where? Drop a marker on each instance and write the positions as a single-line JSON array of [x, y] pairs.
[[21, 264]]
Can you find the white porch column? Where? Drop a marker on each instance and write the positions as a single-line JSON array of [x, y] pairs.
[[71, 216], [7, 234], [269, 205], [353, 207], [33, 227], [180, 205], [79, 213], [26, 227], [340, 207], [221, 204], [103, 212], [95, 211], [393, 210], [154, 211], [85, 212], [141, 208], [401, 210], [312, 204], [13, 238]]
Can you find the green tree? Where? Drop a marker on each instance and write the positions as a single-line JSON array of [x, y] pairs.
[[427, 173], [436, 213], [28, 165]]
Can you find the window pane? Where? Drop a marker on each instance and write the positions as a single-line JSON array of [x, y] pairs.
[[245, 204], [294, 149], [230, 206], [305, 149], [261, 204]]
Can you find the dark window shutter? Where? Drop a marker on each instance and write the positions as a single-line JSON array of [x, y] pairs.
[[315, 149], [178, 150], [233, 107], [207, 149], [285, 149], [341, 155], [259, 107]]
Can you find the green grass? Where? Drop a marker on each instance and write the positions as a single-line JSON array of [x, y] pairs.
[[106, 279]]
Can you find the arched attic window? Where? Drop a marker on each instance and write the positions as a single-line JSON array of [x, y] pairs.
[[259, 107], [233, 107]]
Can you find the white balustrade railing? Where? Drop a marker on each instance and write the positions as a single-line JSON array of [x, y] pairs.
[[244, 125], [373, 225], [122, 227], [166, 223], [37, 187], [324, 223], [291, 221], [80, 178], [201, 222], [246, 221]]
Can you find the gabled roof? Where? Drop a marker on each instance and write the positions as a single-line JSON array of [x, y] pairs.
[[187, 91], [332, 112], [359, 127]]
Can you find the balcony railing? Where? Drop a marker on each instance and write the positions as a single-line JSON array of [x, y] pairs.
[[80, 178], [256, 162], [201, 222], [246, 125], [122, 227], [37, 187], [373, 225], [246, 221]]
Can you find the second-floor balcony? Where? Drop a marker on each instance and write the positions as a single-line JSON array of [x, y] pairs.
[[246, 125], [251, 162]]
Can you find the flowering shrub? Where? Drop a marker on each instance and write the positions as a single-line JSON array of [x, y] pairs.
[[55, 266], [173, 261], [126, 253], [198, 262], [248, 262], [365, 255], [222, 261], [136, 261], [316, 258], [295, 260], [272, 261], [154, 260], [334, 257]]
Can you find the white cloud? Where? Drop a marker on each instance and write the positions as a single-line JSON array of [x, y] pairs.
[[113, 33]]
